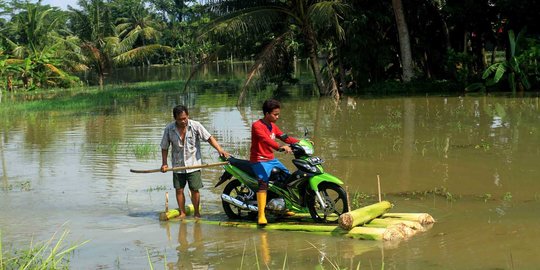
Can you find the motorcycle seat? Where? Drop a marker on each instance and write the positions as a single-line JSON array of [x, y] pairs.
[[243, 165]]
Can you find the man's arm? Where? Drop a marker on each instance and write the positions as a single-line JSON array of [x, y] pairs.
[[164, 155], [213, 142], [284, 137]]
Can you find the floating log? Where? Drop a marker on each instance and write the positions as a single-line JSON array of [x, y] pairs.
[[357, 217], [366, 233], [421, 218], [386, 222], [388, 227]]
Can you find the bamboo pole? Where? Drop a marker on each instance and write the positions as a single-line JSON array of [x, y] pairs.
[[379, 187], [348, 199], [363, 215], [181, 168], [166, 201]]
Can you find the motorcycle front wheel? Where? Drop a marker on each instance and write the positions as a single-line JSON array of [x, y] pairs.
[[335, 200], [240, 192]]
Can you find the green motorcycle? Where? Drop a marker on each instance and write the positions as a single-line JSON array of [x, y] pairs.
[[308, 189]]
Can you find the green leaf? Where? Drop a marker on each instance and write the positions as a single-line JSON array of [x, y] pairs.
[[499, 73]]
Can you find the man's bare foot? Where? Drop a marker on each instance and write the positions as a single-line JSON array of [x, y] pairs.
[[182, 216], [197, 216]]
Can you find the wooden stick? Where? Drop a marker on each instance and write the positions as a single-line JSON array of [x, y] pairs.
[[181, 168], [348, 199], [379, 187], [166, 201]]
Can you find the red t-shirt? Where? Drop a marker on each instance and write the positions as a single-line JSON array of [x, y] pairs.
[[262, 141]]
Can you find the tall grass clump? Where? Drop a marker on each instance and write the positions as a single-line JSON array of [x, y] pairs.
[[47, 255], [144, 150]]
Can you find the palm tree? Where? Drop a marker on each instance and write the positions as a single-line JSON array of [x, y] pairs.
[[93, 24], [37, 49], [101, 47], [294, 18], [404, 41], [139, 27]]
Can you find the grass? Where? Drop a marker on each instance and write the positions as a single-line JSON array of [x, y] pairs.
[[47, 255], [144, 150], [22, 186], [82, 99], [156, 188], [76, 99], [108, 148]]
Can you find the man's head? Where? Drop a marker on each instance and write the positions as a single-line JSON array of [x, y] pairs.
[[181, 114], [271, 109]]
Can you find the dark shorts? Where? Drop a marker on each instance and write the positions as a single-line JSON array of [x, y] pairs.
[[193, 179]]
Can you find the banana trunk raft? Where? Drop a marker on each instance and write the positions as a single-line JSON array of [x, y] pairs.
[[368, 223]]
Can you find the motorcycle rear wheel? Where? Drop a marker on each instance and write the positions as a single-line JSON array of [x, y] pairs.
[[334, 197], [240, 192]]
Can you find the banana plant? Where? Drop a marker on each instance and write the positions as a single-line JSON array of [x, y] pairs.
[[297, 20], [514, 67]]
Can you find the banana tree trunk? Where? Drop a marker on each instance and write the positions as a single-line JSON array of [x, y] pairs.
[[404, 41], [421, 218], [357, 217], [366, 233]]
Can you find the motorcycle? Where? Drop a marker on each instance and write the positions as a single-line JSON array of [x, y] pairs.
[[307, 190]]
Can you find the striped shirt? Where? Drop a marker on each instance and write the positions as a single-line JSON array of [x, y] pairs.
[[188, 152]]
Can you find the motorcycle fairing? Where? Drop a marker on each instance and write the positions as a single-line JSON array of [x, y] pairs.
[[325, 177]]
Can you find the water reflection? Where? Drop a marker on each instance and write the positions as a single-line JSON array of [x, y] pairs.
[[190, 252], [5, 183], [482, 152]]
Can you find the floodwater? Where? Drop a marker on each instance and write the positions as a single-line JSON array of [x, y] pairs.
[[470, 162]]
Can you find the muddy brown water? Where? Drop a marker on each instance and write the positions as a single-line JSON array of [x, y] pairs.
[[470, 162]]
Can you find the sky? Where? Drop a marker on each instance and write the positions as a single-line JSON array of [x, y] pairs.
[[62, 4]]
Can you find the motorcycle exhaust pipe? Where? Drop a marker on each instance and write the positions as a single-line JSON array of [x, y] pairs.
[[238, 203]]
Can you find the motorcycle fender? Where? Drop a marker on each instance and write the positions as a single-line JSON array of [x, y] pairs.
[[325, 177], [224, 177]]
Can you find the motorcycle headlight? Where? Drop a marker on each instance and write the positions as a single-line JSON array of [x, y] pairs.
[[309, 150]]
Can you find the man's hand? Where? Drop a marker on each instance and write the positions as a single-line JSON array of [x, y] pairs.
[[164, 168], [285, 148], [224, 154]]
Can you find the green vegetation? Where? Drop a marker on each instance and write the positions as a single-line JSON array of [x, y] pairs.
[[22, 186], [157, 188], [144, 150], [350, 46], [77, 99], [47, 255], [360, 199], [507, 197]]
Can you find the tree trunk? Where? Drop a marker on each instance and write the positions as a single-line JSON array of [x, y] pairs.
[[404, 41], [311, 43], [9, 85], [100, 80]]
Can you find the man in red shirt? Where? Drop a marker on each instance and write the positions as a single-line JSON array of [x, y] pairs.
[[263, 133]]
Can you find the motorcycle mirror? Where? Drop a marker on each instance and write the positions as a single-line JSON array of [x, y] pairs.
[[306, 132]]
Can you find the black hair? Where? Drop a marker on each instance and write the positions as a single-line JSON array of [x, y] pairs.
[[179, 110], [269, 105]]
